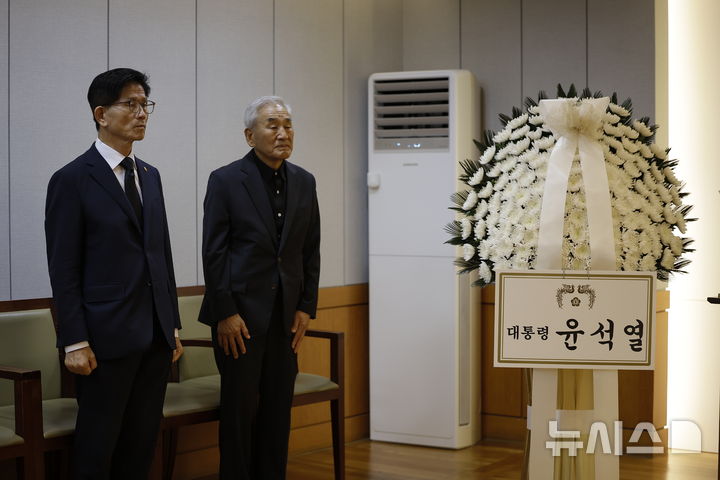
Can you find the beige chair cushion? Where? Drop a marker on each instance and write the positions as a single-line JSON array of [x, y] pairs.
[[8, 437], [28, 341], [59, 416], [203, 393], [182, 399], [308, 383], [196, 361]]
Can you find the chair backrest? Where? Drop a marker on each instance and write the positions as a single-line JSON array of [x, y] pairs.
[[27, 340], [195, 362]]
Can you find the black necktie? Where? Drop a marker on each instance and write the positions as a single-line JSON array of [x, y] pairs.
[[131, 189]]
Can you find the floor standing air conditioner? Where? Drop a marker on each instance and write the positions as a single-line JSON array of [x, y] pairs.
[[424, 318]]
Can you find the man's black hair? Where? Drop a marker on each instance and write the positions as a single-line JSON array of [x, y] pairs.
[[107, 87]]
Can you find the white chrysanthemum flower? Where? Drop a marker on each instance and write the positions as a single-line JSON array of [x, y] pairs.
[[613, 143], [466, 227], [477, 177], [614, 159], [495, 171], [480, 229], [629, 145], [485, 273], [656, 173], [544, 143], [660, 153], [666, 234], [612, 130], [680, 223], [503, 152], [643, 129], [468, 251], [485, 248], [471, 200], [535, 134], [520, 146], [669, 215], [668, 259], [647, 263], [487, 155], [611, 118], [629, 132], [645, 151], [481, 210], [670, 176], [520, 132], [676, 246], [518, 121], [536, 120], [675, 195], [486, 191], [501, 182], [631, 262], [618, 110], [503, 135]]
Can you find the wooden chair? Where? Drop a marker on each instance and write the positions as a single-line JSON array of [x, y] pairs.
[[197, 400], [22, 441]]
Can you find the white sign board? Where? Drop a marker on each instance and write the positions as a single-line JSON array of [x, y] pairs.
[[571, 319]]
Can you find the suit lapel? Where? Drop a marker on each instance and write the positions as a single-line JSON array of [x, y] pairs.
[[254, 185], [101, 172], [149, 192]]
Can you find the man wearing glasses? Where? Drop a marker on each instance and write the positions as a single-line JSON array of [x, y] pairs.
[[113, 284]]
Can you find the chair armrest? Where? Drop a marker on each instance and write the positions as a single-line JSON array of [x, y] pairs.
[[196, 342], [337, 353], [15, 373], [28, 402], [174, 375]]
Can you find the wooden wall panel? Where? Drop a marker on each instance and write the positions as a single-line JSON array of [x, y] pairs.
[[56, 49]]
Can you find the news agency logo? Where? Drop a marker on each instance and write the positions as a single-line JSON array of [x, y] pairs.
[[569, 439]]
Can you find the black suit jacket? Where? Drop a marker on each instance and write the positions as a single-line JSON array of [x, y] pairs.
[[109, 277], [244, 263]]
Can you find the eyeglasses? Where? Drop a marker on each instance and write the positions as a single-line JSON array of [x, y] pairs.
[[135, 107]]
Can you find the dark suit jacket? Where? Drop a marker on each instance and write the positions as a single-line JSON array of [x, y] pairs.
[[107, 273], [243, 261]]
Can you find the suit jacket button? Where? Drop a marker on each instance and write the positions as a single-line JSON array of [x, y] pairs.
[[279, 259], [149, 284], [273, 286]]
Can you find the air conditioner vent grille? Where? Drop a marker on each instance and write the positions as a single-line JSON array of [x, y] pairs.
[[412, 113]]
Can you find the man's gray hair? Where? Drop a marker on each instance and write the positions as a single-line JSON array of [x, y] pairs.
[[251, 112]]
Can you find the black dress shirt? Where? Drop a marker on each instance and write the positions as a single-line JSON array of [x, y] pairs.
[[275, 182]]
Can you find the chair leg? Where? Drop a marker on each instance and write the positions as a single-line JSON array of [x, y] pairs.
[[169, 439], [337, 415], [31, 467], [156, 467]]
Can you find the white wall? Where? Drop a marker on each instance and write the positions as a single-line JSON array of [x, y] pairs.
[[693, 105], [206, 60]]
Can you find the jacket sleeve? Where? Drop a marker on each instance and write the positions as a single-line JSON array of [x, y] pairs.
[[216, 251], [169, 260], [65, 242], [311, 259]]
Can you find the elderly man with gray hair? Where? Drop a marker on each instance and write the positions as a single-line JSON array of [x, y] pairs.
[[261, 258]]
